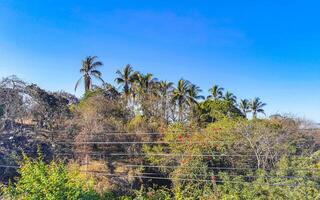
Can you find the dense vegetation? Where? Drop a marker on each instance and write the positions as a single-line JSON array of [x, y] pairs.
[[149, 139]]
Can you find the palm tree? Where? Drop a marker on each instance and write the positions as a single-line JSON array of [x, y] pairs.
[[180, 95], [126, 78], [144, 88], [164, 88], [244, 106], [216, 92], [145, 82], [257, 107], [193, 95], [164, 91], [230, 97], [88, 69]]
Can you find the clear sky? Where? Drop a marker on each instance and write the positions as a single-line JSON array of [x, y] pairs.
[[269, 49]]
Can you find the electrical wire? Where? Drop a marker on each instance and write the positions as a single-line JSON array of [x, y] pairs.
[[185, 179], [164, 154], [212, 168]]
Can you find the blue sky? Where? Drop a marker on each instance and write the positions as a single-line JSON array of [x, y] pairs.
[[269, 49]]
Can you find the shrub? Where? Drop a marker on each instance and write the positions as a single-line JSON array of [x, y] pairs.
[[53, 181], [295, 178], [153, 194]]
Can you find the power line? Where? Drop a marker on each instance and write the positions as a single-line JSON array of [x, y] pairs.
[[166, 132], [187, 179], [145, 176], [173, 167], [165, 154], [146, 142], [212, 168], [217, 175]]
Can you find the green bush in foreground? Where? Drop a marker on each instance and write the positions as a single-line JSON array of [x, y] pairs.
[[53, 181]]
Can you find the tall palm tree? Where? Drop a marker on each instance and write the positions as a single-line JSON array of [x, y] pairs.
[[164, 88], [257, 107], [164, 91], [145, 82], [180, 96], [126, 78], [88, 69], [244, 106], [216, 92], [194, 95], [230, 97], [192, 99]]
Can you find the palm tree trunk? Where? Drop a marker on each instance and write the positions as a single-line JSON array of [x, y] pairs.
[[87, 83], [245, 113], [164, 107], [180, 113], [254, 115]]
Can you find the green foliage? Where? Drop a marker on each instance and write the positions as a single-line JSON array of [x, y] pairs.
[[49, 182], [189, 168], [190, 179], [136, 123], [215, 110], [152, 194], [291, 179], [242, 137]]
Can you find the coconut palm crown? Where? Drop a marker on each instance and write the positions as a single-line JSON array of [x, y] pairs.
[[88, 71], [126, 78], [216, 92], [256, 107], [244, 106]]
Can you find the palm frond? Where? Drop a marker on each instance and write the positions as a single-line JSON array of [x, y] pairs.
[[77, 84], [96, 64], [98, 77], [96, 73], [119, 80]]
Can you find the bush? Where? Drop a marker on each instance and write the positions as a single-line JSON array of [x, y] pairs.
[[53, 181], [295, 178], [152, 194]]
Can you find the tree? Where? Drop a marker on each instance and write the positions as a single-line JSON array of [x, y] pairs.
[[145, 83], [164, 88], [230, 97], [257, 107], [48, 110], [194, 95], [192, 99], [126, 78], [164, 92], [244, 106], [180, 96], [88, 69], [145, 87], [216, 110], [216, 92], [186, 95], [13, 97]]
